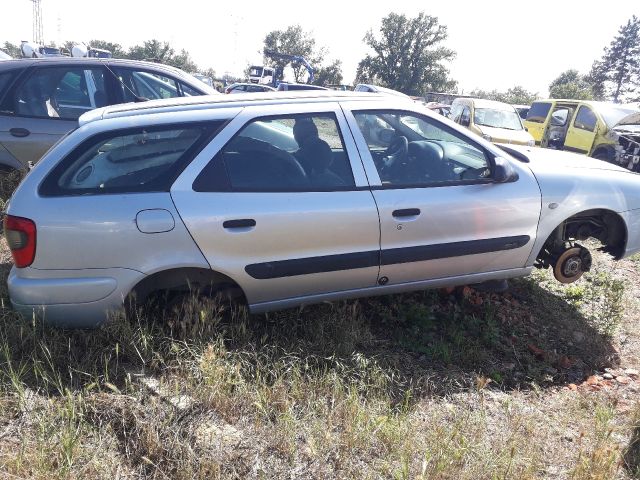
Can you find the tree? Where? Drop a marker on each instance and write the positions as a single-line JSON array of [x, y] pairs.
[[115, 48], [619, 68], [13, 50], [570, 84], [597, 78], [329, 75], [408, 55], [515, 96], [295, 41], [162, 52]]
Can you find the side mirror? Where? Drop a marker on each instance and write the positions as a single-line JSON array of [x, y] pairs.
[[503, 171]]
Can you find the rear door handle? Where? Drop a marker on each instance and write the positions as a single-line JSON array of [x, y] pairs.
[[406, 212], [19, 132], [240, 223]]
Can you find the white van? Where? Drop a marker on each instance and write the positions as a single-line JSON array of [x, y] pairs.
[[261, 74]]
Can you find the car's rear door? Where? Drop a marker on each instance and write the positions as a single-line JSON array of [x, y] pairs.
[[582, 131], [279, 202], [44, 105], [441, 214]]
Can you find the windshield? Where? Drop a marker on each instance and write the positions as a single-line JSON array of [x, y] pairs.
[[612, 114], [489, 117], [255, 71], [50, 51]]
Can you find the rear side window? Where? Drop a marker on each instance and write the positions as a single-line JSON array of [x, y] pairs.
[[60, 92], [585, 119], [128, 161], [538, 112], [281, 154]]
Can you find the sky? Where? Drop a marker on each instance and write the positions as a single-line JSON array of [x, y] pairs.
[[498, 43]]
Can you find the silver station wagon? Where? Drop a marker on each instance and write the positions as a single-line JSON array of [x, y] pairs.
[[296, 198]]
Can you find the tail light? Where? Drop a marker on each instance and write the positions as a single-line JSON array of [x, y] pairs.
[[21, 238]]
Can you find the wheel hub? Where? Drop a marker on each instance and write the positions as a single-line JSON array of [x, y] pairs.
[[572, 266]]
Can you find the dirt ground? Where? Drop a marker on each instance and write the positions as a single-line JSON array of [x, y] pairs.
[[538, 382]]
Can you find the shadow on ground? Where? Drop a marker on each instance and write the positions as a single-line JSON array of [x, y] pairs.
[[431, 342]]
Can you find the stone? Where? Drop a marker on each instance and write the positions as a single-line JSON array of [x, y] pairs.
[[578, 336], [608, 376]]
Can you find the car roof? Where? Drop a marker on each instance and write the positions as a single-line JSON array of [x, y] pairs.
[[64, 61], [493, 104], [249, 83], [208, 102]]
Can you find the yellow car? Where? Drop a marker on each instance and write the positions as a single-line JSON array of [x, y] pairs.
[[579, 126], [495, 121]]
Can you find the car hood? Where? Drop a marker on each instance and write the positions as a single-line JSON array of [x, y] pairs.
[[504, 135], [545, 159], [631, 119]]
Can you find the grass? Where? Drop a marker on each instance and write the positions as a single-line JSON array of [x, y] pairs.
[[436, 384]]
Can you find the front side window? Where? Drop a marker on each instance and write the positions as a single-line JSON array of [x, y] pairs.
[[141, 84], [538, 112], [585, 119], [281, 154], [64, 93], [410, 150], [4, 81], [465, 116], [188, 91], [131, 160]]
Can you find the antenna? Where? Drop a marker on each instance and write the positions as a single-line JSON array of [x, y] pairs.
[[38, 35]]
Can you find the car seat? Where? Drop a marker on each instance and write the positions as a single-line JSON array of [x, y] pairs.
[[318, 157]]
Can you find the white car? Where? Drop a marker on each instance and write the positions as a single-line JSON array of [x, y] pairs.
[[295, 198]]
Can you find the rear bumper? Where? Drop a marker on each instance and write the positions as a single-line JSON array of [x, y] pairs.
[[70, 298]]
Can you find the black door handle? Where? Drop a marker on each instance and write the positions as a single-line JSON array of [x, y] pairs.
[[240, 223], [406, 212], [19, 132]]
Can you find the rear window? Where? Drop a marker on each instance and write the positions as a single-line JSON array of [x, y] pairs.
[[538, 112], [143, 159]]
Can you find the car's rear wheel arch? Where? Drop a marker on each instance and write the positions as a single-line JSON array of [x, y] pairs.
[[184, 280]]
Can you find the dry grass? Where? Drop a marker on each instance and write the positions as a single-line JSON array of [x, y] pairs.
[[428, 385]]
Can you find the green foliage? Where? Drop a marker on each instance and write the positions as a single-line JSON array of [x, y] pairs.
[[409, 56], [570, 84], [162, 52], [617, 74], [329, 75], [292, 41], [115, 48], [515, 96], [11, 49]]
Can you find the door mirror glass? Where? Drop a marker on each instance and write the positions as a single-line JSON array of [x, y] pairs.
[[503, 171]]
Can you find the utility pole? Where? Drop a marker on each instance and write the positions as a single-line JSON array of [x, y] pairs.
[[38, 35]]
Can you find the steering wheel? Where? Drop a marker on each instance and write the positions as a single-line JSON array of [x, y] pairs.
[[396, 152]]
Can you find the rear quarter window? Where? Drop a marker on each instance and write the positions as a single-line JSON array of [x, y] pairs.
[[143, 159], [538, 112]]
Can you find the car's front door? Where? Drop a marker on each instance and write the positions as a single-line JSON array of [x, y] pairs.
[[582, 131], [279, 202], [441, 213], [44, 105]]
